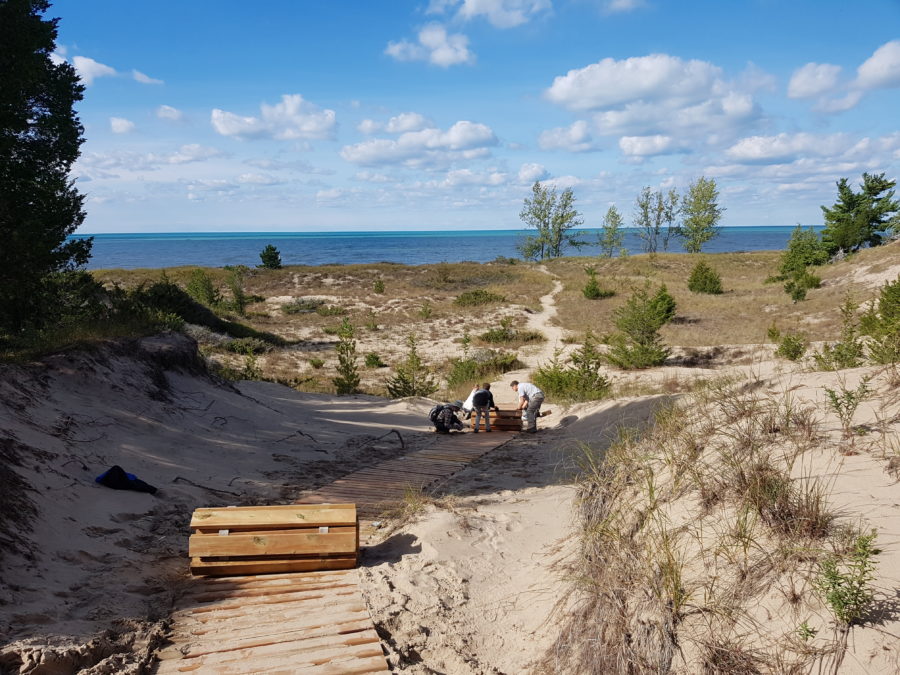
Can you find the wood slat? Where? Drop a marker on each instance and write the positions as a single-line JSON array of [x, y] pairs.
[[215, 567], [267, 517], [264, 543]]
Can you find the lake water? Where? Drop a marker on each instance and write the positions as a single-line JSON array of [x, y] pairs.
[[217, 249]]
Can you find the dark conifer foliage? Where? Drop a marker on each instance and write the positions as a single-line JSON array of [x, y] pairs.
[[40, 137]]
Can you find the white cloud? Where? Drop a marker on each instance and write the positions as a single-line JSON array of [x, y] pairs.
[[167, 112], [836, 105], [464, 140], [145, 79], [656, 77], [813, 79], [788, 147], [193, 152], [257, 179], [89, 70], [409, 121], [655, 96], [435, 45], [529, 173], [368, 127], [462, 177], [574, 138], [563, 182], [292, 119], [503, 13], [294, 165], [370, 177], [120, 125], [646, 146], [110, 165], [619, 6], [882, 69]]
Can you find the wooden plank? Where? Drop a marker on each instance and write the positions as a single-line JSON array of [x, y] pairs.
[[280, 655], [300, 617], [341, 605], [259, 517], [215, 595], [218, 568], [294, 530], [264, 543], [302, 638]]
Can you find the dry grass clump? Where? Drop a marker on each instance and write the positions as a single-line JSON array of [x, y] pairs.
[[695, 530]]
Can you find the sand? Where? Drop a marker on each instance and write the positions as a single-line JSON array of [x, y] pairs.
[[467, 585]]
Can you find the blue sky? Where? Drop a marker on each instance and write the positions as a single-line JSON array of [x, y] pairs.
[[294, 115]]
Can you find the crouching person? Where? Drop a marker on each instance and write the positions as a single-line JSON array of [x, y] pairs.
[[444, 418]]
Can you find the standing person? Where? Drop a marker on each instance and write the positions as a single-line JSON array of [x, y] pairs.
[[530, 400], [444, 418], [482, 402], [468, 407]]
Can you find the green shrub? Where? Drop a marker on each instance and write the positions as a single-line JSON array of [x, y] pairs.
[[881, 323], [804, 249], [270, 257], [578, 380], [235, 284], [638, 343], [316, 362], [378, 286], [791, 346], [200, 288], [373, 360], [800, 282], [592, 289], [426, 310], [844, 584], [481, 365], [506, 333], [330, 310], [848, 352], [347, 380], [248, 345], [704, 279], [477, 297], [302, 305], [411, 378]]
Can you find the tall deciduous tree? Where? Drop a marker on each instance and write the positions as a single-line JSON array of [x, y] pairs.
[[611, 236], [40, 139], [654, 217], [859, 219], [701, 211], [553, 216]]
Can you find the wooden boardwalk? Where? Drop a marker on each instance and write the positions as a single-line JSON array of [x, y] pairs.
[[307, 622], [377, 488]]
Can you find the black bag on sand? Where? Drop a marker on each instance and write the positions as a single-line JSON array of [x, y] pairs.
[[117, 479]]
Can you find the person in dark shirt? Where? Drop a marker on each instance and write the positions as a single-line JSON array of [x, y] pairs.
[[482, 402], [445, 419]]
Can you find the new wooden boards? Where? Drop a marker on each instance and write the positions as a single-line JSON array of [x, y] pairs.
[[273, 539]]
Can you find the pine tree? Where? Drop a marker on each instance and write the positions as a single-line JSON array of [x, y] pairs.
[[40, 139], [347, 381], [271, 258], [859, 219]]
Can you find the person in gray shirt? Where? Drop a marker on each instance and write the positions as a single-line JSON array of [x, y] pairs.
[[530, 400]]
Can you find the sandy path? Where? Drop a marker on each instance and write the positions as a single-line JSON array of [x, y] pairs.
[[534, 356]]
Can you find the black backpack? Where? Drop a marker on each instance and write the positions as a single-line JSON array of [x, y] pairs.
[[435, 411]]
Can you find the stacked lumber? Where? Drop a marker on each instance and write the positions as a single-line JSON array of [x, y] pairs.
[[505, 420], [273, 539]]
